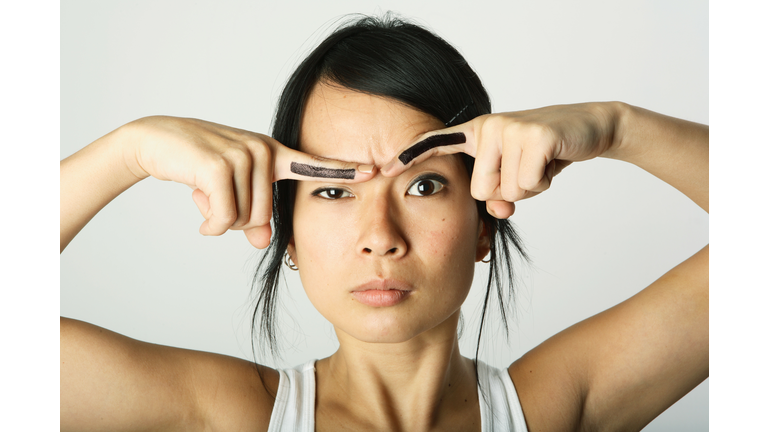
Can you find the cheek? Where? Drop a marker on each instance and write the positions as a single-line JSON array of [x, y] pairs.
[[318, 254], [441, 242], [447, 247], [452, 234], [320, 238]]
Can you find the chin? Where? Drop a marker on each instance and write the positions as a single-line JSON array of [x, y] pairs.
[[396, 328]]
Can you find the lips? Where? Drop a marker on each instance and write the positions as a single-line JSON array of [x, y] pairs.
[[382, 292]]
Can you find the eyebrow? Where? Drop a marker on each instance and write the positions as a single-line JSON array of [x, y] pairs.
[[322, 172], [429, 143]]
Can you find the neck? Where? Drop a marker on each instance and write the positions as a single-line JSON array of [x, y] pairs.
[[411, 385]]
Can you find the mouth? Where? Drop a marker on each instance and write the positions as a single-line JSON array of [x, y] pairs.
[[382, 292]]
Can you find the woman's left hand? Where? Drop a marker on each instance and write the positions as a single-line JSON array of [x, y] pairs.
[[517, 154]]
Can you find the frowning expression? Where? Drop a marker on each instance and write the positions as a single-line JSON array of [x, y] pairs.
[[391, 258]]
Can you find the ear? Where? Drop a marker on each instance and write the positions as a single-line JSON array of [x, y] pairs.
[[483, 241], [292, 250]]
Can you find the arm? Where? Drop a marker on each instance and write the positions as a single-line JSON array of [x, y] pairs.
[[214, 160], [676, 151], [111, 382], [621, 368], [90, 179], [230, 170]]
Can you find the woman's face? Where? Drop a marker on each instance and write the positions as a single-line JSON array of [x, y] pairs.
[[391, 258]]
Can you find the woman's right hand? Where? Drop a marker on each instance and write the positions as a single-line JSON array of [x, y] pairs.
[[230, 171]]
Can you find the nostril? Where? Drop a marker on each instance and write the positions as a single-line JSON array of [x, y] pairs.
[[392, 251], [366, 250]]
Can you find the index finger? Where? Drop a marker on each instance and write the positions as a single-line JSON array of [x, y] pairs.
[[293, 164], [455, 139]]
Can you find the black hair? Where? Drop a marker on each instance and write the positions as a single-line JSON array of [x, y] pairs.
[[392, 58]]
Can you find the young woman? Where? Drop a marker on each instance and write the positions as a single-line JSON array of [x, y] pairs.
[[386, 179]]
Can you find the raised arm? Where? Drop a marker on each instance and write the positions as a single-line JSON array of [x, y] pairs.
[[89, 180], [621, 368], [230, 170], [111, 382], [674, 150]]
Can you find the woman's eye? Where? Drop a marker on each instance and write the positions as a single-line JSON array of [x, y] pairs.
[[425, 187], [332, 193]]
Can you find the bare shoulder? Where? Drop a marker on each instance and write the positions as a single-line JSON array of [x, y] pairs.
[[549, 387], [621, 368], [112, 382]]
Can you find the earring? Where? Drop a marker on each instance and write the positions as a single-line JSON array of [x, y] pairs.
[[289, 262], [489, 260]]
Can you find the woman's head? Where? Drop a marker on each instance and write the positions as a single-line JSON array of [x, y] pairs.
[[419, 232], [384, 61]]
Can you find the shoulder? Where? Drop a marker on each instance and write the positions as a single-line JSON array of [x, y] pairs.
[[110, 381], [550, 393], [233, 394], [624, 366]]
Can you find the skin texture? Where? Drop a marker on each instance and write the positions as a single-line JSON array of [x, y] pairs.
[[380, 231], [398, 357], [621, 368], [398, 367], [230, 171]]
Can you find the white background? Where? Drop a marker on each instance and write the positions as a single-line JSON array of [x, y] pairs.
[[603, 232]]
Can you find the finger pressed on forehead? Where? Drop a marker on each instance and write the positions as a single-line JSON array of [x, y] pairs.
[[322, 172], [449, 166], [343, 124], [429, 143]]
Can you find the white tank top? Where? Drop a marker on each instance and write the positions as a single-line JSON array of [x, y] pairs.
[[294, 408]]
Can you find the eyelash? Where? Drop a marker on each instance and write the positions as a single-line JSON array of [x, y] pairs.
[[323, 193], [438, 182]]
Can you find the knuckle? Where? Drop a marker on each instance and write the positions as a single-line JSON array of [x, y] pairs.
[[539, 134], [429, 154], [228, 217], [242, 220], [261, 150], [219, 165], [511, 193], [239, 155], [512, 130], [260, 219], [494, 124], [541, 186], [529, 183], [480, 193], [508, 196]]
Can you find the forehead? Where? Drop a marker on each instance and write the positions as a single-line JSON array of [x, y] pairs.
[[348, 125]]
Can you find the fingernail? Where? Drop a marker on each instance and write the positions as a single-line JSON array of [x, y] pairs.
[[366, 169], [388, 167]]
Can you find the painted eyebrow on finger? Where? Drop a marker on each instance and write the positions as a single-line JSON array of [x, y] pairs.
[[429, 143], [322, 172]]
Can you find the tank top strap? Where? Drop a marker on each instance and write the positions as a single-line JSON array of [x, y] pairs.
[[294, 408], [500, 408]]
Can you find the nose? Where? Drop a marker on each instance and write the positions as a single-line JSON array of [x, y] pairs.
[[380, 231]]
